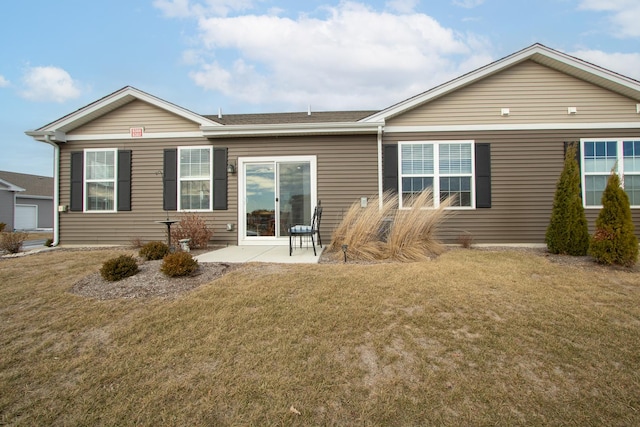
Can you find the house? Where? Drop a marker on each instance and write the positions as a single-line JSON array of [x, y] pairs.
[[26, 201], [494, 137]]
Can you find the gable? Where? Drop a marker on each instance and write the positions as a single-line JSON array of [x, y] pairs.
[[532, 92], [136, 113]]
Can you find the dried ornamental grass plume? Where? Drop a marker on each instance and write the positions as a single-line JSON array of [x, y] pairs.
[[407, 234]]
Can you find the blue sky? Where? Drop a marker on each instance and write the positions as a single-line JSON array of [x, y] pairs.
[[245, 56]]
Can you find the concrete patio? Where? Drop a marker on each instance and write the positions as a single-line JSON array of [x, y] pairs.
[[275, 254]]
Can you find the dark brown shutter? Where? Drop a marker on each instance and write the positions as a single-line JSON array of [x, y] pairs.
[[390, 167], [170, 180], [77, 187], [124, 180], [220, 178], [483, 175]]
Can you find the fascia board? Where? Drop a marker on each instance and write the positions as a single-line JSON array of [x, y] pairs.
[[290, 129], [11, 187]]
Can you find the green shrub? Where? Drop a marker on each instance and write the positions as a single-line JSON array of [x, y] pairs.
[[49, 243], [614, 241], [119, 268], [179, 264], [568, 231], [154, 250], [12, 241], [192, 227]]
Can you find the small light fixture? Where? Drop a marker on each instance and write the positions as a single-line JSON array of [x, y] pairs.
[[229, 227], [231, 167], [572, 110], [638, 108], [504, 112]]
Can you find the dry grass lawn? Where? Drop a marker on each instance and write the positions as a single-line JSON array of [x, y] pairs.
[[471, 338]]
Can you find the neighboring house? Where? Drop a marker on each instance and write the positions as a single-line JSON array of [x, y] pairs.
[[494, 137], [26, 201]]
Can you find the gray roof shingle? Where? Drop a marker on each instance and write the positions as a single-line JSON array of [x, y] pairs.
[[286, 118], [35, 185]]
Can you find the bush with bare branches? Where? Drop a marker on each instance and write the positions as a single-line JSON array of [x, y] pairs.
[[379, 233], [192, 227], [11, 242]]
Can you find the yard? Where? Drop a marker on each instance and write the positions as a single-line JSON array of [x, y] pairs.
[[471, 338]]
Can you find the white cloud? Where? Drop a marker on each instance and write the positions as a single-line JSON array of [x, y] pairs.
[[353, 57], [467, 4], [49, 84], [3, 82], [627, 64], [624, 18]]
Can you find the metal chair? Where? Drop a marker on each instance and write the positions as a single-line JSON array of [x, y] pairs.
[[308, 231]]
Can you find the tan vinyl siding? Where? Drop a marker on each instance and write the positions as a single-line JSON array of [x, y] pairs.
[[525, 167], [136, 114], [533, 93], [347, 170]]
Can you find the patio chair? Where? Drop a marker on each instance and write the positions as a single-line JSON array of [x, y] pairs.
[[308, 231]]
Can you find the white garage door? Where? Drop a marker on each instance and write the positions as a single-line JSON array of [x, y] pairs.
[[26, 217]]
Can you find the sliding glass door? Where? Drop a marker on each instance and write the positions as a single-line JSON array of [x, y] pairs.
[[275, 193]]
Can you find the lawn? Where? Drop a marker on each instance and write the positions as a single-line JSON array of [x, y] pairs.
[[471, 338]]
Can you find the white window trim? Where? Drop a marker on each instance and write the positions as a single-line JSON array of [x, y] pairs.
[[86, 181], [436, 172], [180, 179], [619, 161]]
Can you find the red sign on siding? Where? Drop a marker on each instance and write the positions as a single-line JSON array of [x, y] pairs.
[[136, 132]]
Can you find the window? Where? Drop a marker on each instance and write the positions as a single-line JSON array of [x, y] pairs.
[[100, 180], [603, 155], [446, 167], [195, 178]]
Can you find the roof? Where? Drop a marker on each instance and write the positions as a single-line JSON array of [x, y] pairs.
[[538, 53], [32, 185], [286, 118], [57, 129]]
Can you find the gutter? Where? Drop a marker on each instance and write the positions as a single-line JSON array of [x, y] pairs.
[[337, 128], [380, 185], [56, 190]]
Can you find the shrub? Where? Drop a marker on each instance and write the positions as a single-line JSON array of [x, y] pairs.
[[179, 264], [2, 226], [465, 240], [372, 233], [154, 250], [192, 227], [12, 241], [119, 268], [568, 231], [48, 243], [614, 241]]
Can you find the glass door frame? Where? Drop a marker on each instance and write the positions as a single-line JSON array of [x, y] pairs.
[[243, 239]]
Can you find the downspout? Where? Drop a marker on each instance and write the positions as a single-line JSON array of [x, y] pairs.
[[56, 190], [380, 187]]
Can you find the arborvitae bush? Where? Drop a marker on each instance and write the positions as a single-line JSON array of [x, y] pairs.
[[614, 241], [154, 250], [119, 268], [568, 231], [194, 228], [179, 264]]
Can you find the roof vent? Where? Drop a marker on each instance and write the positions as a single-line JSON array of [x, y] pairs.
[[309, 110], [219, 113]]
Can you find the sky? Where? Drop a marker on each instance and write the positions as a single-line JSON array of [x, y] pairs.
[[248, 56]]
